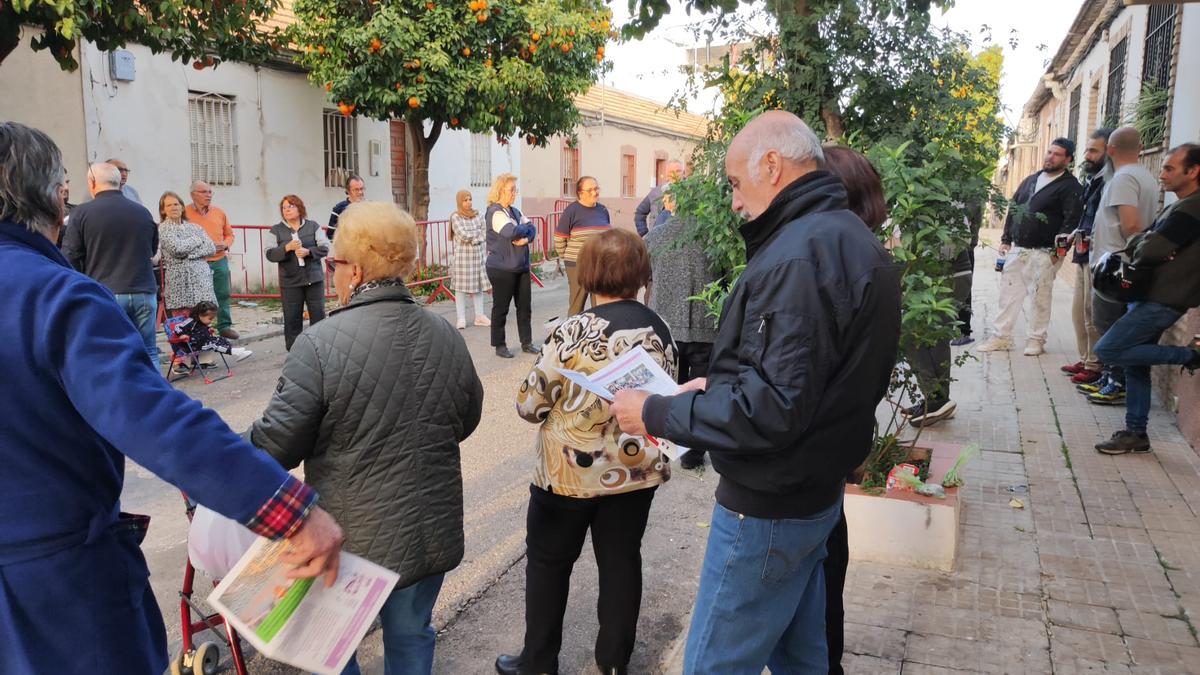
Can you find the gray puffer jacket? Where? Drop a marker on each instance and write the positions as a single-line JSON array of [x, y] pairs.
[[374, 400]]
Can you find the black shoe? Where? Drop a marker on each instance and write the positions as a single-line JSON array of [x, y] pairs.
[[692, 460], [531, 349], [503, 352], [507, 664], [1123, 442], [929, 413]]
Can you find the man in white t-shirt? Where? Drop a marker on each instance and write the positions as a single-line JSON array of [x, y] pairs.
[[1127, 206]]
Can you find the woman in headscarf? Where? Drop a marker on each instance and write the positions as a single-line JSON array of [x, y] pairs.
[[467, 275]]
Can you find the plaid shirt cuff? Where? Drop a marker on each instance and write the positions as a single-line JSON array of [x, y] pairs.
[[283, 513]]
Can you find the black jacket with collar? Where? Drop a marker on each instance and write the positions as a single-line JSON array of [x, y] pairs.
[[112, 239], [805, 349], [1036, 217]]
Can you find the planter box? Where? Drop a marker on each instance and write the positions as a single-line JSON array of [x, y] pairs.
[[905, 528]]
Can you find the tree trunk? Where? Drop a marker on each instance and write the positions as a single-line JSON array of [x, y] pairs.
[[422, 149]]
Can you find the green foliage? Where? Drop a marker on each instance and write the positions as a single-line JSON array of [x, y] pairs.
[[1150, 114], [204, 31], [482, 65]]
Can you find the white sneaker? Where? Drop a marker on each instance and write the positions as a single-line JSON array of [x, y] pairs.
[[482, 321], [995, 344], [241, 353], [1034, 348], [461, 325]]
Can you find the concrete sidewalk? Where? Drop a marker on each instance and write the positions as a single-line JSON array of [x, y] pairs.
[[1099, 572]]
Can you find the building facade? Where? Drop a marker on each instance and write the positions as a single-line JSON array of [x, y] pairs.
[[1123, 63], [624, 141]]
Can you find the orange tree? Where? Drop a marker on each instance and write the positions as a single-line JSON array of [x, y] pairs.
[[201, 31], [489, 66]]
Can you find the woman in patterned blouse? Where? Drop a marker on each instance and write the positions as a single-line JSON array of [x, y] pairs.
[[588, 475], [467, 276], [183, 247]]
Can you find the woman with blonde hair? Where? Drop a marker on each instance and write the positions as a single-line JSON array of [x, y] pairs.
[[382, 451], [508, 236], [589, 475], [183, 248], [467, 276]]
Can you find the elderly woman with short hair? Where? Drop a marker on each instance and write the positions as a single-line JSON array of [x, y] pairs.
[[187, 278], [588, 474], [384, 452], [508, 236]]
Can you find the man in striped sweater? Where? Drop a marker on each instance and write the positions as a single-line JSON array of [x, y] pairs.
[[580, 221]]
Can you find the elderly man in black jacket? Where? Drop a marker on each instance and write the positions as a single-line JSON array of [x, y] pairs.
[[112, 239], [1046, 204], [802, 358]]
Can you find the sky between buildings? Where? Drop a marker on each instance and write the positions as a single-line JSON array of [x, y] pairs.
[[651, 67]]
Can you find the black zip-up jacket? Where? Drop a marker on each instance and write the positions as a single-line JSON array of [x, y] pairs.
[[291, 273], [1035, 218], [806, 345], [1092, 192]]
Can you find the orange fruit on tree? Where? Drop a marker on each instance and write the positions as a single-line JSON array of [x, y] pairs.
[[321, 50], [198, 65], [532, 49], [420, 79], [535, 37], [605, 24], [571, 32], [416, 63], [453, 121], [376, 45], [487, 63], [346, 109], [399, 86], [554, 44], [481, 17], [413, 101], [566, 47], [328, 86], [466, 51], [429, 6]]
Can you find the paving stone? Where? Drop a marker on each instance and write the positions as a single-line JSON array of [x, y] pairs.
[[1088, 617], [1163, 657], [1082, 647], [875, 641], [973, 656], [1156, 627], [869, 665]]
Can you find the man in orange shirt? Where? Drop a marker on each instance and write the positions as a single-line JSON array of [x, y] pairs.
[[216, 224]]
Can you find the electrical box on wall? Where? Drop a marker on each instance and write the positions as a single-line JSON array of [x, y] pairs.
[[374, 152], [120, 64]]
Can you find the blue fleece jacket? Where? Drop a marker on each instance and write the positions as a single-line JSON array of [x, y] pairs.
[[504, 226]]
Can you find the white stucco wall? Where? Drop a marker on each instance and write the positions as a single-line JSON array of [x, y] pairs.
[[1185, 116], [278, 128], [450, 171]]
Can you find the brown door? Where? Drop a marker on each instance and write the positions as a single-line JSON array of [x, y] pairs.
[[399, 164]]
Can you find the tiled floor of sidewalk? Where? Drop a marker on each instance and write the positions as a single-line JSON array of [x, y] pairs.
[[1100, 572]]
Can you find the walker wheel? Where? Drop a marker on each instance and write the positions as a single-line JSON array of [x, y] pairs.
[[206, 660], [177, 665]]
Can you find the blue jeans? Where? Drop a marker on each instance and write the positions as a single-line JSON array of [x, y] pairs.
[[408, 637], [142, 310], [762, 596], [1132, 342]]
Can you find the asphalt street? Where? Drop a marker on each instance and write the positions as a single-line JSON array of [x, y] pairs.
[[480, 612]]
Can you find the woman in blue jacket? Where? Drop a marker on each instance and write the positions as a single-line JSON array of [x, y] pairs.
[[508, 236]]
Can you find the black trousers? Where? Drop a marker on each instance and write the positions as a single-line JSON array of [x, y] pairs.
[[555, 530], [962, 295], [295, 298], [837, 559], [510, 287], [1104, 315]]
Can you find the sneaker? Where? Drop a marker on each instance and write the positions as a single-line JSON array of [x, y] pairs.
[[995, 344], [1074, 369], [531, 349], [960, 341], [1086, 376], [1113, 393], [503, 352], [1034, 348], [241, 353], [1123, 442], [1093, 387], [461, 325], [930, 413], [482, 321], [180, 369]]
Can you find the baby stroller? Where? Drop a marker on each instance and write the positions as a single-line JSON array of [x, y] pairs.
[[204, 659], [183, 355]]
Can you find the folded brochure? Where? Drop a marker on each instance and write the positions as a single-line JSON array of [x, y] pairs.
[[634, 369], [300, 622]]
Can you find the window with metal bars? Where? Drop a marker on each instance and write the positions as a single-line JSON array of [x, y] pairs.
[[481, 160], [1116, 83], [1160, 45], [213, 134], [341, 147], [628, 174], [1073, 114], [569, 170]]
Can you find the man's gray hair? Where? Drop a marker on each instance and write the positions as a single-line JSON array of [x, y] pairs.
[[105, 175], [197, 183], [794, 142], [31, 171]]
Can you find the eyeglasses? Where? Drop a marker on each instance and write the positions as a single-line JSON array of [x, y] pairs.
[[589, 190], [337, 261]]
